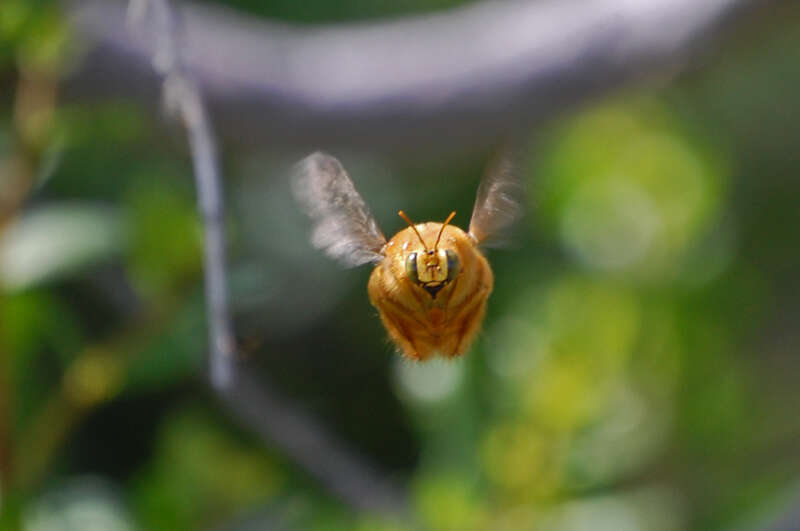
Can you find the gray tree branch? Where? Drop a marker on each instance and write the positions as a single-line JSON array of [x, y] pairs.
[[463, 77], [184, 100]]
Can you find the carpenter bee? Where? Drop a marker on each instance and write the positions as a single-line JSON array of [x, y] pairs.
[[431, 281]]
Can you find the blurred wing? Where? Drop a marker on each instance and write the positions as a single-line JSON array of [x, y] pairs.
[[343, 226], [498, 202]]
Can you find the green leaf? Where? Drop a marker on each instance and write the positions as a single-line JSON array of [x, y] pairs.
[[55, 241]]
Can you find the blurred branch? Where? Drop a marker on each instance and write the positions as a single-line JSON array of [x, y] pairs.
[[321, 455], [33, 105], [183, 98], [94, 377], [458, 78], [296, 434]]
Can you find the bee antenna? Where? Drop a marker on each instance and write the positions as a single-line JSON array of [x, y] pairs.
[[448, 220], [410, 224]]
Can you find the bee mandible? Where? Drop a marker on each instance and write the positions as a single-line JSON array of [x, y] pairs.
[[431, 281]]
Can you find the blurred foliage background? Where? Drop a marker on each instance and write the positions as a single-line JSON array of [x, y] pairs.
[[638, 367]]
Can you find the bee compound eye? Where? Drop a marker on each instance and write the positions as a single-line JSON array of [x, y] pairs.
[[411, 267], [453, 265]]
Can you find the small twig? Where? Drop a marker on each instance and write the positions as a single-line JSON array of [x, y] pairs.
[[183, 98]]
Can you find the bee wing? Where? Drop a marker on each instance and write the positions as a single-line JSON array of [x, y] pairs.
[[343, 225], [497, 205]]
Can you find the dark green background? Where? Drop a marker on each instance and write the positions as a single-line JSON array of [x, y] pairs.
[[637, 370]]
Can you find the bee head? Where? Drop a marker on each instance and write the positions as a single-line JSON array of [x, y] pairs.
[[432, 269]]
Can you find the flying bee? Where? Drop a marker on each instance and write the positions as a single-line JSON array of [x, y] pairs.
[[431, 281]]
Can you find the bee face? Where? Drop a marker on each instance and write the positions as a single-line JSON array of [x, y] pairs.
[[432, 270]]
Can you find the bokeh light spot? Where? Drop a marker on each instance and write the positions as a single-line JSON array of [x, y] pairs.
[[432, 381]]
